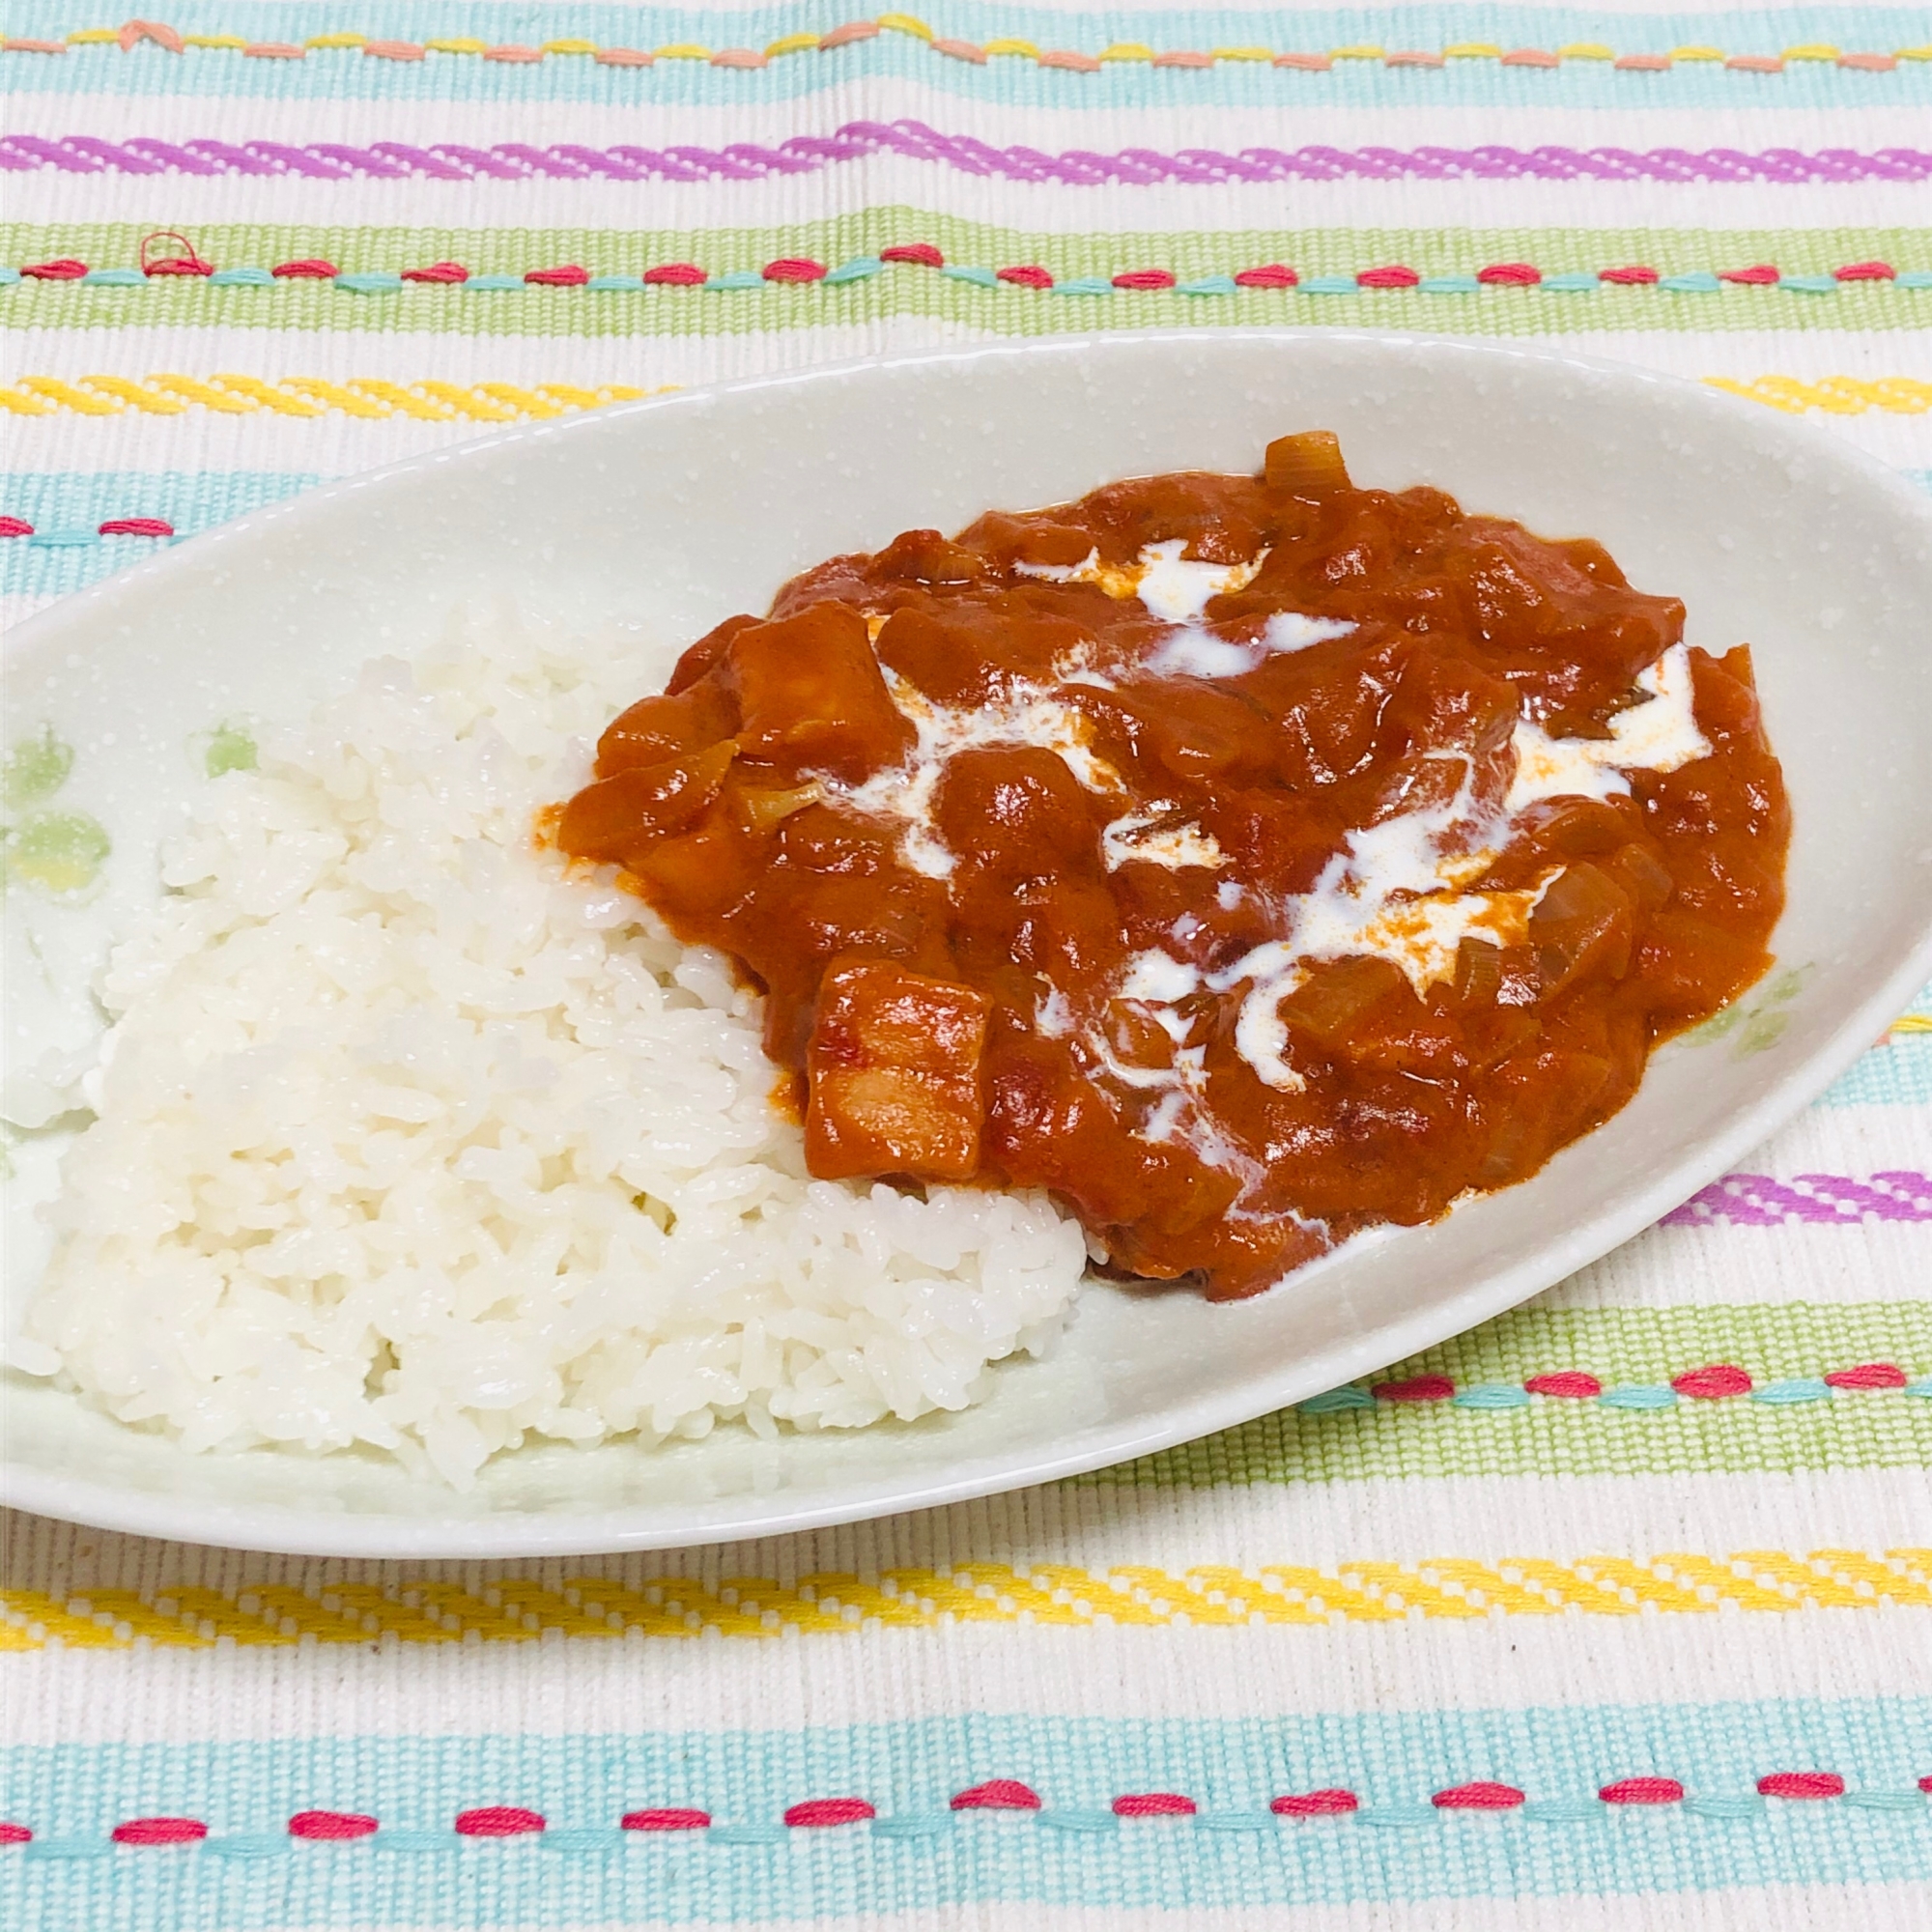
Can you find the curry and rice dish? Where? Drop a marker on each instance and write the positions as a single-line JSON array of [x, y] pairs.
[[1173, 883], [1247, 861]]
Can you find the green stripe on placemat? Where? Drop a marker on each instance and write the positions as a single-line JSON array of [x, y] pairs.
[[1404, 1422], [857, 285]]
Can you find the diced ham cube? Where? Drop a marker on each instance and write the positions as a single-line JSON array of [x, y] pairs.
[[893, 1074]]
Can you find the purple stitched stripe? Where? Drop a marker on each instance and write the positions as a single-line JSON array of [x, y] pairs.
[[806, 154], [1757, 1201]]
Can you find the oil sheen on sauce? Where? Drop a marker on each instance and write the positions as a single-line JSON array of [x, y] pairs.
[[1249, 859]]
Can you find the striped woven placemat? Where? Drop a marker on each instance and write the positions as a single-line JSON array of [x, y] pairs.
[[1624, 1595]]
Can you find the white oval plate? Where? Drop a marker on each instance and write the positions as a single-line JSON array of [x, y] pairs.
[[683, 509]]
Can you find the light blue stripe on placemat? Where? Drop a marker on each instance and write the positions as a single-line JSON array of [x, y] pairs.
[[66, 508], [1897, 1075], [192, 499], [1462, 83], [1728, 1835]]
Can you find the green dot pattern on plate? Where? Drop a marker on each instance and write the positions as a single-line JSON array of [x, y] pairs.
[[228, 748], [35, 768], [57, 852], [1753, 1025]]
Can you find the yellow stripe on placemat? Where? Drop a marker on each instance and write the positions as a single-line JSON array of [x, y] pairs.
[[299, 396], [1838, 395], [134, 32], [431, 401], [1205, 1596]]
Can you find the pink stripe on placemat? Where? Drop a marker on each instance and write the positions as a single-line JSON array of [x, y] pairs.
[[1154, 1805], [996, 1794], [666, 1818], [857, 141], [331, 1824], [159, 1832], [498, 1821], [815, 1812]]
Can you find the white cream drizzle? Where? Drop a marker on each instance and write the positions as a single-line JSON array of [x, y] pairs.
[[1192, 650], [906, 792], [1175, 589], [1660, 735], [1154, 840], [1154, 978]]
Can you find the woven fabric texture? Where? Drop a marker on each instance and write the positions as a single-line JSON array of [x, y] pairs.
[[1615, 1612]]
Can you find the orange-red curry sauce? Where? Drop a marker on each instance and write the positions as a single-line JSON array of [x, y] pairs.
[[1004, 849]]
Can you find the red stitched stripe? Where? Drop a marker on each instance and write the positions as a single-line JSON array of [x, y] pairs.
[[1802, 1784], [1643, 1791], [820, 1811], [331, 1824], [498, 1821], [1419, 1388], [802, 270], [669, 1818], [159, 1832], [136, 526], [1867, 1375], [1573, 1384], [1154, 1805], [996, 1794], [1712, 1385], [15, 526], [1330, 1803], [1482, 1796]]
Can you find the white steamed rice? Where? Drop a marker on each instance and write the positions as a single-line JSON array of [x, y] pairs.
[[405, 1139]]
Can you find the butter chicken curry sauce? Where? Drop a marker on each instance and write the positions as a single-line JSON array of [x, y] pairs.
[[1248, 860]]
